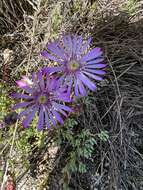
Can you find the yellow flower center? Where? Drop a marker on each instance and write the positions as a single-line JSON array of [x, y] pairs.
[[73, 65], [42, 99]]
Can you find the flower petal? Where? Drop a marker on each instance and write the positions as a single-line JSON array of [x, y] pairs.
[[98, 60], [81, 88], [94, 53], [65, 42], [93, 76], [76, 88], [70, 86], [70, 45], [86, 81], [41, 80], [39, 75], [50, 70], [52, 84], [21, 105], [47, 120], [79, 45], [53, 47], [21, 83], [86, 45], [50, 57], [99, 72], [27, 89], [95, 66], [74, 44], [29, 118], [52, 119], [62, 107], [18, 95], [25, 81], [26, 112], [40, 120], [58, 117], [62, 112], [63, 97]]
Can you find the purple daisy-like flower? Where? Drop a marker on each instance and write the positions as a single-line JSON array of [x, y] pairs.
[[79, 65], [43, 95]]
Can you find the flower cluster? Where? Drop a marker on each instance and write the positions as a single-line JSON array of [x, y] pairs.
[[48, 91]]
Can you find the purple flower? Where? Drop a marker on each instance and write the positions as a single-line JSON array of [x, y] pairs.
[[10, 118], [24, 82], [43, 96], [2, 125], [79, 65]]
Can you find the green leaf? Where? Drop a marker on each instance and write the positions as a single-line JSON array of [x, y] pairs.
[[82, 168]]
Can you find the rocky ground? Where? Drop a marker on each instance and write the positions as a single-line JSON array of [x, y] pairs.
[[117, 105]]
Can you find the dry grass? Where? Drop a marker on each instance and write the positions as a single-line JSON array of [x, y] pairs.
[[12, 11], [118, 103]]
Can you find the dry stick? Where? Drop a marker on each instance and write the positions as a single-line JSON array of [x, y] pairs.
[[117, 98], [22, 175], [126, 70], [5, 146], [10, 155], [29, 57], [16, 125], [11, 11], [35, 22], [119, 104], [109, 109]]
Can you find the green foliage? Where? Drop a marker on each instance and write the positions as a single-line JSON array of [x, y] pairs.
[[103, 136], [130, 7], [5, 101], [56, 20], [28, 139], [94, 6], [81, 7], [5, 105], [81, 147], [1, 174], [87, 100], [77, 6]]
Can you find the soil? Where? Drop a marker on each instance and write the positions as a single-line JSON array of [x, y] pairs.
[[116, 106]]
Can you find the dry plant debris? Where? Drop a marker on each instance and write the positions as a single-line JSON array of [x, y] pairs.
[[117, 107]]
